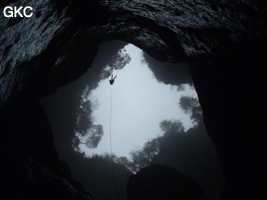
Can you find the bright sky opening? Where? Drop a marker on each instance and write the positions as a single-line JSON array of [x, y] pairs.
[[139, 104]]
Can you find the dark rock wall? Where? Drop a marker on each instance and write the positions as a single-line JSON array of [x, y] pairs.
[[30, 167], [224, 42], [229, 90], [22, 39], [173, 31], [162, 182]]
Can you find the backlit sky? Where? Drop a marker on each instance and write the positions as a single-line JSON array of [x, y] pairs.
[[139, 104]]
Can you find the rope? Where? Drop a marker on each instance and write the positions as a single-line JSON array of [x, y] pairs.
[[110, 143]]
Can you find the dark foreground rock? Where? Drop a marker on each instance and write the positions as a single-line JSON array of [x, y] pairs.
[[159, 182]]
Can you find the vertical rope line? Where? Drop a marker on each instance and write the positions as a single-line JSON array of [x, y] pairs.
[[112, 162], [110, 141]]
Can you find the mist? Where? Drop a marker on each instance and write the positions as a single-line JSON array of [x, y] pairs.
[[79, 115]]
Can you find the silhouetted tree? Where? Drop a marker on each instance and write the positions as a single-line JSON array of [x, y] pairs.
[[84, 118], [171, 126], [118, 61], [85, 131], [93, 136], [180, 87], [141, 158], [190, 105]]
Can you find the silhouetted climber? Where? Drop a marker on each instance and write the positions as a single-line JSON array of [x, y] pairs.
[[111, 81]]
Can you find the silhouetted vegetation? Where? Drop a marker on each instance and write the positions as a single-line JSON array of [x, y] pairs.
[[86, 132], [190, 105], [118, 61], [173, 133]]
